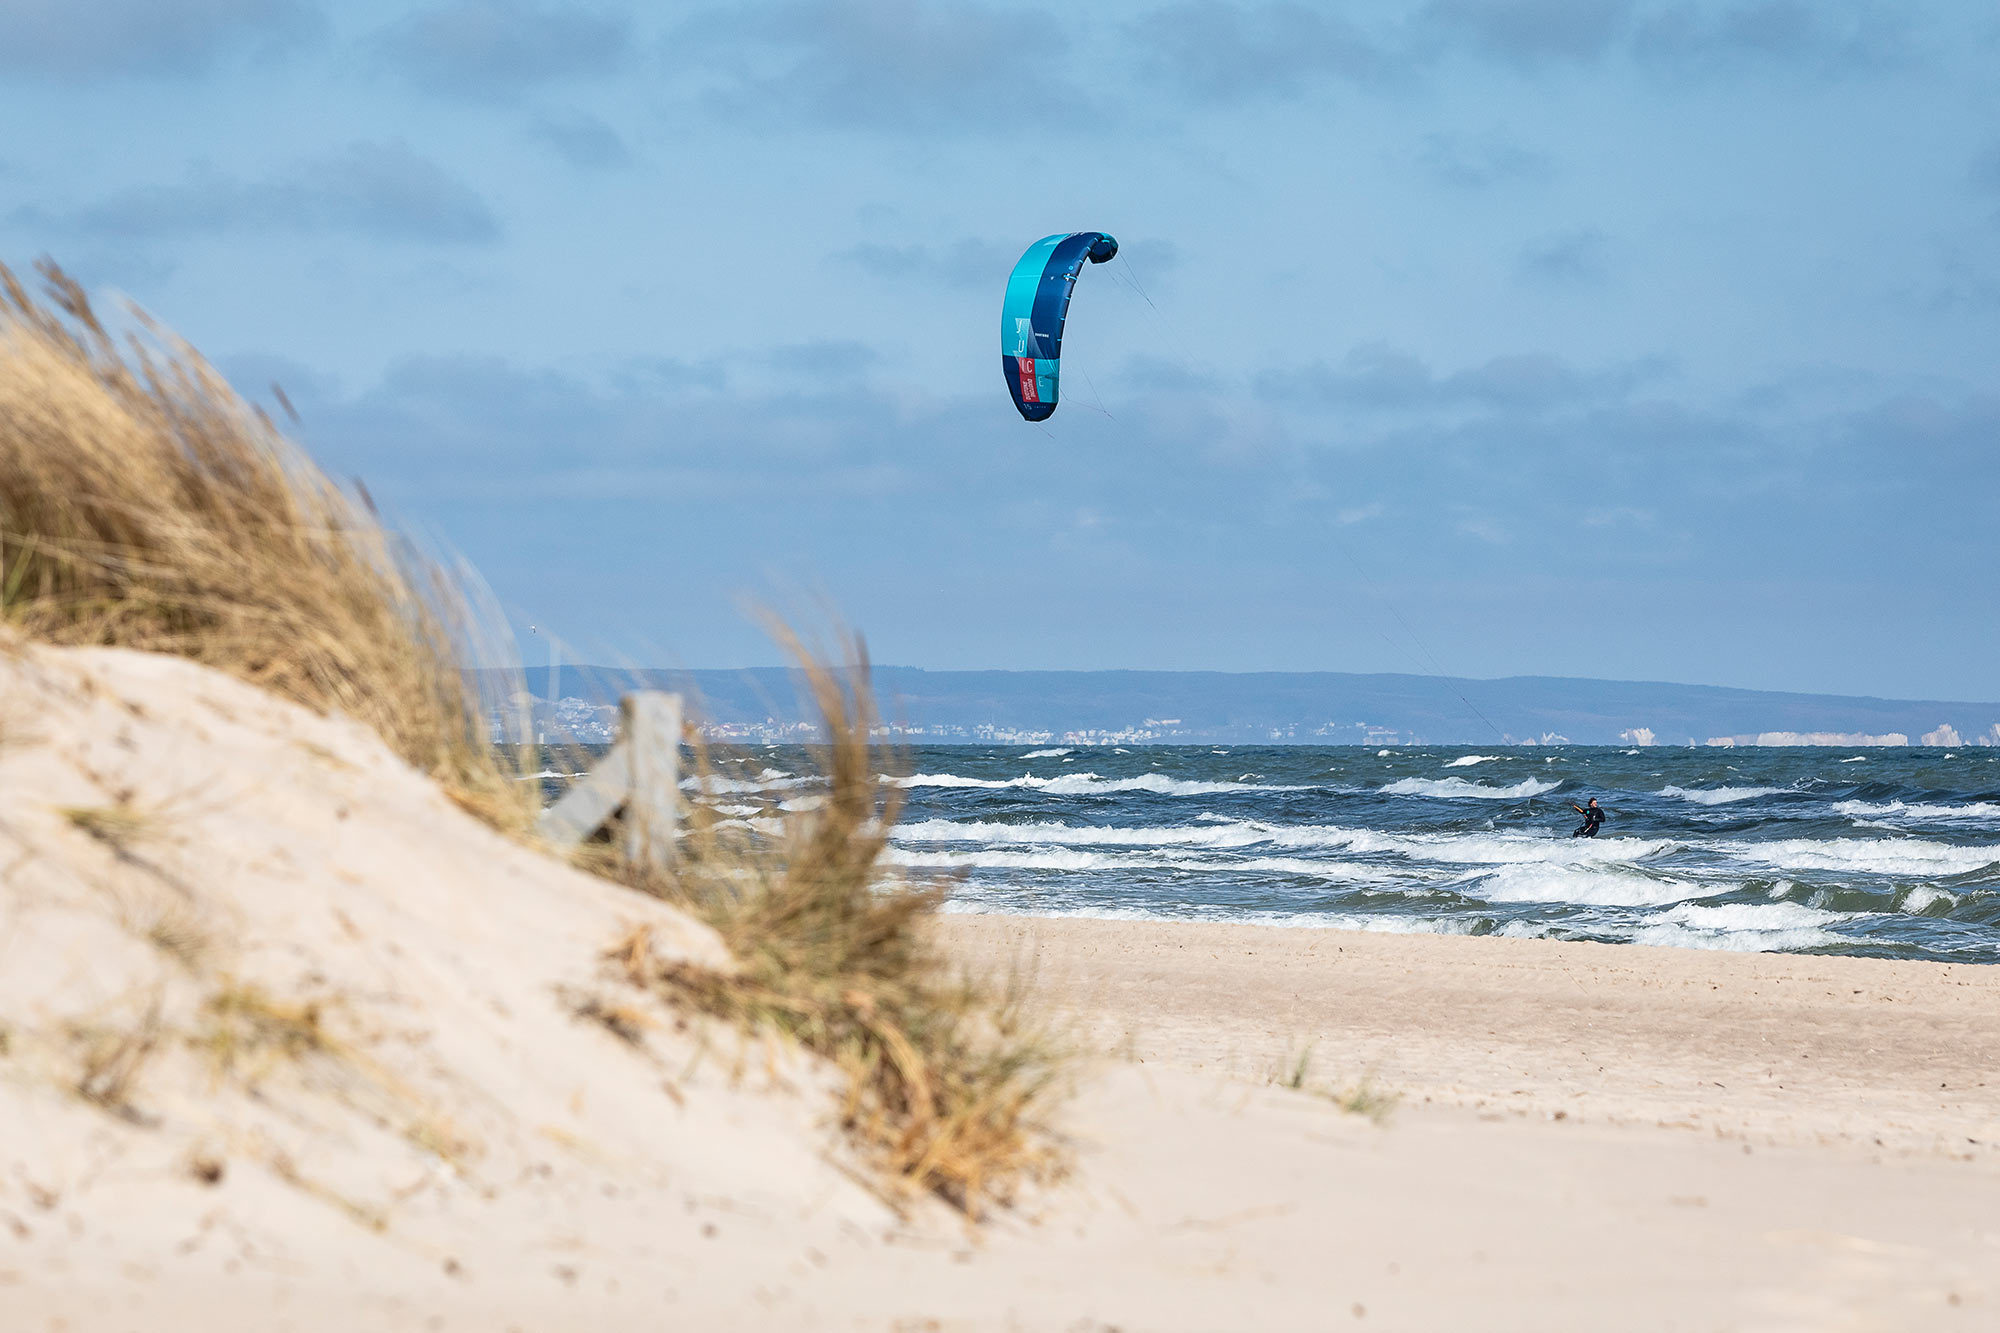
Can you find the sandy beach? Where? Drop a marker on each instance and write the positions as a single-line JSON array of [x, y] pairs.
[[1584, 1136], [291, 1043], [1769, 1048]]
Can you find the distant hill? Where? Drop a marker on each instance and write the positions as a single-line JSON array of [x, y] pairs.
[[1287, 708]]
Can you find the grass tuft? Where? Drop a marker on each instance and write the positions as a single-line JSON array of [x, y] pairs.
[[1365, 1099], [112, 1060], [946, 1076], [1301, 1067], [623, 1021], [119, 826], [143, 504], [249, 1032]]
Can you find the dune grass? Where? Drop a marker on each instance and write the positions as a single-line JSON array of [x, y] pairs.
[[948, 1075], [117, 826], [144, 504]]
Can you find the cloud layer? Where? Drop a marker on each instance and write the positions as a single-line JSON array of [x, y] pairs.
[[66, 39], [1689, 299], [381, 190], [501, 50], [913, 67]]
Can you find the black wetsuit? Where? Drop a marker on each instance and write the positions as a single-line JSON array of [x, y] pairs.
[[1592, 817]]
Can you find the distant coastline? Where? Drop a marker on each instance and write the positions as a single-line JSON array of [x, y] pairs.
[[761, 705]]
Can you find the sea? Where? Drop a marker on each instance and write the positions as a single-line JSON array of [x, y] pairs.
[[1879, 853]]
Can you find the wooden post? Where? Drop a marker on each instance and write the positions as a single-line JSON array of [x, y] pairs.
[[555, 679], [640, 776], [652, 739], [526, 752]]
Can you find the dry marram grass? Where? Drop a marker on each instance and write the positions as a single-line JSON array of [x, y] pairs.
[[947, 1074], [144, 505], [117, 826]]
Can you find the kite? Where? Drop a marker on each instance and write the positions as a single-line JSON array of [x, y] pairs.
[[1031, 317]]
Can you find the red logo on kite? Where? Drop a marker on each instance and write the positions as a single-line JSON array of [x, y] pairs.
[[1026, 366]]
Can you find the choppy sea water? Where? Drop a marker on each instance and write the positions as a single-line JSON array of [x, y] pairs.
[[1885, 853]]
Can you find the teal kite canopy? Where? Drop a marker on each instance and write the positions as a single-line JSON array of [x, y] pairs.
[[1032, 315]]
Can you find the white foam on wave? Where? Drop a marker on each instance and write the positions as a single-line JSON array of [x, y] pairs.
[[1867, 856], [1752, 916], [1925, 896], [1228, 834], [1073, 858], [1089, 784], [1452, 789], [1384, 924], [770, 828], [1468, 760], [1338, 871], [1513, 848], [1719, 795], [1381, 924], [1668, 935], [1040, 858], [1594, 885], [1225, 835], [1742, 927], [771, 779], [1920, 810], [1045, 754]]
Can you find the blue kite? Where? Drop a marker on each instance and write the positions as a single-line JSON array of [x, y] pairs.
[[1031, 318]]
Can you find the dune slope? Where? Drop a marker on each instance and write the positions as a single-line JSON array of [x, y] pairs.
[[273, 1010]]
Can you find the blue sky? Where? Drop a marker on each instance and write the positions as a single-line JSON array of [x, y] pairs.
[[1647, 339]]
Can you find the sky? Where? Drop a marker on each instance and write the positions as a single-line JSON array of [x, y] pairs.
[[1641, 339]]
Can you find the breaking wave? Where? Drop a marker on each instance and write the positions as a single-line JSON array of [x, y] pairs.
[[1918, 810], [1719, 795], [1071, 858], [1378, 923], [1742, 927], [1463, 848], [1867, 856], [1452, 789], [1596, 886], [1091, 784]]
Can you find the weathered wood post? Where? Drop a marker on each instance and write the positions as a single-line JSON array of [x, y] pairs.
[[640, 776], [527, 752], [652, 734]]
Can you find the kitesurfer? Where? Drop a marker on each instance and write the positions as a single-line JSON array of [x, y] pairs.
[[1592, 818]]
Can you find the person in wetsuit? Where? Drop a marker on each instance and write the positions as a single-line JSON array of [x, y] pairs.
[[1592, 818]]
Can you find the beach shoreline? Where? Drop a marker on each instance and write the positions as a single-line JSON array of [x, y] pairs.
[[1876, 1055]]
